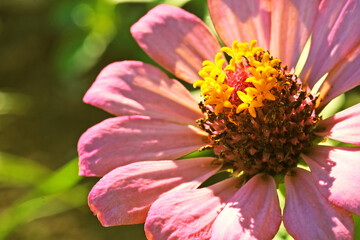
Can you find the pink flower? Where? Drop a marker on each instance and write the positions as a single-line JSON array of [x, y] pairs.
[[135, 152]]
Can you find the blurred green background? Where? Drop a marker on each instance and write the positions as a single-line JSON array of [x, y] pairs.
[[50, 53]]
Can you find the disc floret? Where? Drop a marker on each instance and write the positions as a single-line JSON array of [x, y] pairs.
[[258, 115]]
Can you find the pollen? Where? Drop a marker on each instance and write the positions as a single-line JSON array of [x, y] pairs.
[[241, 85]]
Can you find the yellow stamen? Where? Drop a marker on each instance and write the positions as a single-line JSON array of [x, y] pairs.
[[217, 92], [198, 83]]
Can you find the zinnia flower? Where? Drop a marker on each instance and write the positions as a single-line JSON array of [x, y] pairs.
[[260, 119]]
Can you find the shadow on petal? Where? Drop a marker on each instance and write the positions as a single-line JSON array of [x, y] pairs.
[[336, 174], [309, 215]]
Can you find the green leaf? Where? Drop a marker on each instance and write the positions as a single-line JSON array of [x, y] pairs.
[[177, 3], [303, 57], [57, 193], [282, 233], [64, 178], [13, 169], [333, 107], [41, 206], [130, 1], [357, 226], [203, 153]]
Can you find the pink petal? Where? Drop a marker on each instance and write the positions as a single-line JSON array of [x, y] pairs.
[[345, 76], [124, 195], [188, 214], [242, 21], [343, 126], [336, 173], [122, 140], [176, 39], [252, 213], [336, 32], [136, 88], [308, 215], [292, 21]]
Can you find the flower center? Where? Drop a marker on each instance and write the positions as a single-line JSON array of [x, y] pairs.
[[258, 115]]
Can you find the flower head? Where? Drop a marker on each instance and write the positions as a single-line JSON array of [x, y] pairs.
[[259, 117], [269, 124]]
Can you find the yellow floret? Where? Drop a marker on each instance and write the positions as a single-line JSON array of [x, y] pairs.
[[217, 93]]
